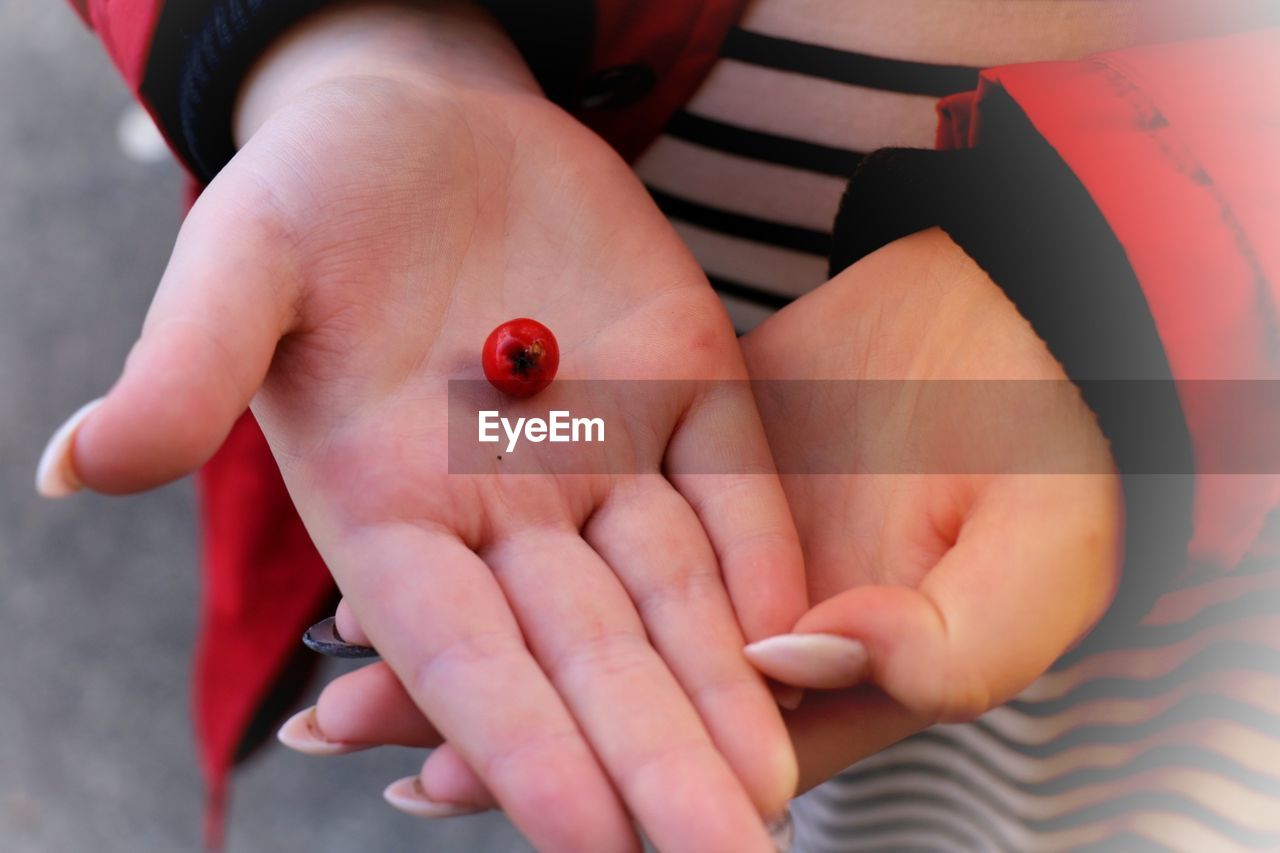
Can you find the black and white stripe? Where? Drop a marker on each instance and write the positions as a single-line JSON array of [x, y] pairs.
[[737, 181], [1172, 741]]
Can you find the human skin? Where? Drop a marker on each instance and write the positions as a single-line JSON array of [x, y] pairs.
[[960, 587], [401, 188]]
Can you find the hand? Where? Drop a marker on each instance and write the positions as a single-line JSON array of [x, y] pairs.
[[982, 536], [938, 595], [401, 189]]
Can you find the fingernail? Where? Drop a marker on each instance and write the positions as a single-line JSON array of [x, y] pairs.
[[407, 795], [55, 476], [301, 733], [787, 696], [782, 832], [814, 660], [323, 637]]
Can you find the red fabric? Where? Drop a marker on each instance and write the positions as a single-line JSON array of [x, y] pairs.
[[125, 27], [1177, 146], [264, 583], [955, 117], [82, 9], [679, 42]]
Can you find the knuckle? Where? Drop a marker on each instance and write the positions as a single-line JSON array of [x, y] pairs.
[[685, 586], [251, 206], [461, 658], [652, 772], [760, 544], [960, 697], [538, 771], [602, 653], [736, 687], [528, 758]]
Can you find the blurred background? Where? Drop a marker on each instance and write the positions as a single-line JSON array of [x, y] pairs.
[[98, 595]]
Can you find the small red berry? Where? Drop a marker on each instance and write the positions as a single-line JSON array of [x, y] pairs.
[[520, 357]]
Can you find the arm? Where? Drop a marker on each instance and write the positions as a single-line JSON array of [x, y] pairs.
[[186, 60], [392, 200], [623, 67]]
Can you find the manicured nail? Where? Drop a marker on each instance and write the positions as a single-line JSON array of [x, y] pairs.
[[301, 733], [814, 660], [55, 475], [407, 795], [787, 696]]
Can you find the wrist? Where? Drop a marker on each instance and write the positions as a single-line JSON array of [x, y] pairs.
[[451, 47]]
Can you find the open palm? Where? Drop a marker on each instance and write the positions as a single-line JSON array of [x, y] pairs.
[[568, 632]]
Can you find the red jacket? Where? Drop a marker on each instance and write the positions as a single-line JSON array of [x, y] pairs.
[[1175, 144]]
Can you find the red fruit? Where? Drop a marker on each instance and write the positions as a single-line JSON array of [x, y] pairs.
[[520, 357]]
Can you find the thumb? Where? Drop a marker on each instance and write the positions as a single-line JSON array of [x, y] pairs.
[[226, 298], [1033, 568]]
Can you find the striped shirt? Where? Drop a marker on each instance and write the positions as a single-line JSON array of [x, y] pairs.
[[1169, 742]]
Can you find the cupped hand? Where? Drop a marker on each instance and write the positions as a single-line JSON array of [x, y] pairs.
[[958, 510], [577, 638]]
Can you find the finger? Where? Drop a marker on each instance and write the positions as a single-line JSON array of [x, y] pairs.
[[410, 795], [676, 584], [225, 299], [447, 778], [441, 622], [370, 706], [379, 711], [348, 626], [719, 460], [359, 710], [836, 729], [584, 630], [1033, 568], [654, 542]]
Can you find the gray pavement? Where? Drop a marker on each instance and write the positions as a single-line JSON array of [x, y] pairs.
[[98, 596]]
